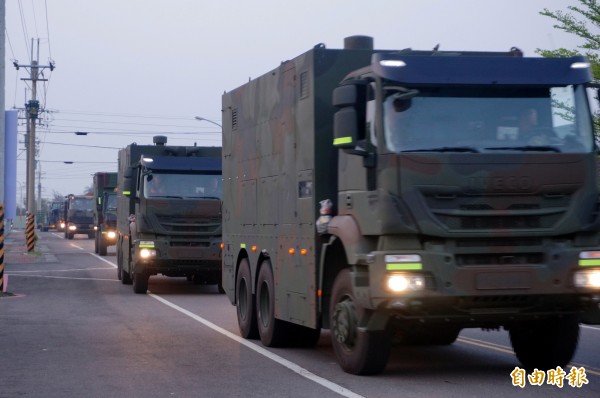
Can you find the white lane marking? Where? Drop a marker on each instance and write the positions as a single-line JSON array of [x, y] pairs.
[[103, 259], [60, 270], [596, 328], [77, 247], [276, 358], [66, 277]]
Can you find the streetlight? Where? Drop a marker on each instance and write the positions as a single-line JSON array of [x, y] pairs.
[[207, 120]]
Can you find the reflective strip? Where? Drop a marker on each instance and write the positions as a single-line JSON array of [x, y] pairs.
[[242, 245], [127, 193], [342, 140], [589, 262], [404, 267], [147, 246]]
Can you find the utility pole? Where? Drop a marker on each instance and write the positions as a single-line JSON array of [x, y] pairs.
[[32, 112]]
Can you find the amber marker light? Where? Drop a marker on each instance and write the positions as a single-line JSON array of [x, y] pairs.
[[222, 245], [303, 252], [291, 250], [253, 248]]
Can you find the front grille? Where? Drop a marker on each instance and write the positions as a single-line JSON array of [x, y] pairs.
[[496, 212], [498, 259], [187, 225]]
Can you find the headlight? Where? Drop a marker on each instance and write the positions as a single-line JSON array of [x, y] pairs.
[[111, 235], [589, 278], [72, 227], [399, 283], [147, 253]]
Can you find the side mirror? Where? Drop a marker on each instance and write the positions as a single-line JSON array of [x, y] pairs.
[[349, 122], [127, 185]]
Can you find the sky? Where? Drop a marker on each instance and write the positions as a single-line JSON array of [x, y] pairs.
[[126, 70]]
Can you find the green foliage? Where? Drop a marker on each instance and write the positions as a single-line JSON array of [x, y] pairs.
[[579, 20]]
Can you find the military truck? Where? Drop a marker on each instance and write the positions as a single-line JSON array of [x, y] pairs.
[[79, 215], [105, 211], [49, 216], [169, 213], [399, 196]]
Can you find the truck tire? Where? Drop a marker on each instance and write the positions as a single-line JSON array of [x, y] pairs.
[[119, 263], [140, 282], [246, 306], [70, 236], [545, 344], [357, 351], [273, 332], [101, 246], [123, 275], [96, 245]]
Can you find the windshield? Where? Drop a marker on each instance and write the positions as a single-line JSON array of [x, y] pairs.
[[111, 202], [554, 119], [169, 185], [82, 204]]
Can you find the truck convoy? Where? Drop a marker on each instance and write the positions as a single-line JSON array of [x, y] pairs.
[[405, 195], [78, 215], [105, 211], [169, 213]]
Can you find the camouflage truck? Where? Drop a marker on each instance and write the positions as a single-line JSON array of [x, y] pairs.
[[54, 216], [49, 216], [78, 215], [105, 211], [399, 196], [169, 213]]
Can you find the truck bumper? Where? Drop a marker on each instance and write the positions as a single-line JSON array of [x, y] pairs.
[[164, 257], [440, 290]]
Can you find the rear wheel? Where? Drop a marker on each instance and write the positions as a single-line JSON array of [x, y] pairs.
[[246, 307], [545, 344], [357, 351], [273, 332]]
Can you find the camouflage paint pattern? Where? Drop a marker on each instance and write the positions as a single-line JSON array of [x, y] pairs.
[[185, 232], [104, 184], [82, 219], [499, 235]]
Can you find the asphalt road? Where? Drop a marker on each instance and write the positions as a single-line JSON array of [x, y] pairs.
[[73, 330]]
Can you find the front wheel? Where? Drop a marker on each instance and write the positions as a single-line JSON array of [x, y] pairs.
[[140, 282], [101, 246], [545, 344], [357, 351]]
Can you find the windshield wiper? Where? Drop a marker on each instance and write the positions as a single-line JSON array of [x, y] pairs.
[[446, 149], [533, 148], [204, 197]]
